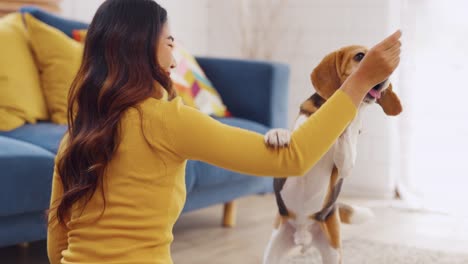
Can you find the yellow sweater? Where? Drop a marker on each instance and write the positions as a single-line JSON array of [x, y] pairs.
[[144, 183]]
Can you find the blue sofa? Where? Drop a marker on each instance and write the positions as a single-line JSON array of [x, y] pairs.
[[254, 92]]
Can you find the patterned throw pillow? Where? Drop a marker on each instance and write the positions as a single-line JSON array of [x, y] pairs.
[[189, 81], [193, 86]]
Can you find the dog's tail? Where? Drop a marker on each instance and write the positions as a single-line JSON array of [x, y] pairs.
[[354, 214]]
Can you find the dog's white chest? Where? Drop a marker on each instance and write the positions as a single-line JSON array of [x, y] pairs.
[[306, 195], [345, 152]]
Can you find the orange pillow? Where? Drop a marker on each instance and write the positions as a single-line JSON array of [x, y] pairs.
[[79, 35]]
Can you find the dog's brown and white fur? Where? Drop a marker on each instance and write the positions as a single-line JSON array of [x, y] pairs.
[[308, 216]]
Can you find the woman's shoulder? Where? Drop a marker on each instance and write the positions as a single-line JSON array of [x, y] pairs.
[[154, 107], [151, 104]]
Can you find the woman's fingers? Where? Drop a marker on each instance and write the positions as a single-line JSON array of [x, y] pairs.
[[395, 47], [390, 41], [394, 52], [395, 62]]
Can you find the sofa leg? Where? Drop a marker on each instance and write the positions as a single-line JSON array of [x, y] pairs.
[[229, 216]]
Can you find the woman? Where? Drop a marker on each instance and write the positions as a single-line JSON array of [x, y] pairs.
[[118, 184]]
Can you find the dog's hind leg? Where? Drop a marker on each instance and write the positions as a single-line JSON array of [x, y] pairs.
[[330, 255], [281, 242], [328, 240]]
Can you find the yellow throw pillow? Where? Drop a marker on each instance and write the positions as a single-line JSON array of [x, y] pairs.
[[21, 98], [58, 58]]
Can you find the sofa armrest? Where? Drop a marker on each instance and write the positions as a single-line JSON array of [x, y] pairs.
[[254, 90]]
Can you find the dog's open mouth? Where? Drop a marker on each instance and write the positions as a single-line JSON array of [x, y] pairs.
[[376, 91]]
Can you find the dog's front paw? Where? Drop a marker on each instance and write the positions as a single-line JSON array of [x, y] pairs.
[[277, 138]]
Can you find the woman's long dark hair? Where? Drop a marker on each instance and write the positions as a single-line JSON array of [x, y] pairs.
[[119, 69]]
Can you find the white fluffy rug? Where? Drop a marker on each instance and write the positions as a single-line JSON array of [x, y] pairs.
[[359, 251]]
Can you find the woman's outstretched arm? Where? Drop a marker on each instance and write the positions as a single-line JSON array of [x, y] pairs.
[[194, 135]]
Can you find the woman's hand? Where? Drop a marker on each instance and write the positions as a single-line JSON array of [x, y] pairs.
[[380, 61], [378, 64]]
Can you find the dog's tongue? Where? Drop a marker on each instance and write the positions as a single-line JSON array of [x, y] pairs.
[[375, 94]]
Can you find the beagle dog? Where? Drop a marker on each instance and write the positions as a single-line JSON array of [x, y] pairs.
[[308, 213]]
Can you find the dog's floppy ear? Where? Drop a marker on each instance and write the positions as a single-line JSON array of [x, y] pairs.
[[325, 77], [390, 102]]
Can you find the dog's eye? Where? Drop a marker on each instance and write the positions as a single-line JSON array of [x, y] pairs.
[[359, 56]]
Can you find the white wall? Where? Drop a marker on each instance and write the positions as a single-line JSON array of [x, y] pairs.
[[435, 128], [188, 19], [304, 32], [80, 10]]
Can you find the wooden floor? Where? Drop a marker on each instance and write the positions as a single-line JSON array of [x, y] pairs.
[[200, 239]]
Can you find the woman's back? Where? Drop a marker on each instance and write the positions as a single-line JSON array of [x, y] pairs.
[[144, 193]]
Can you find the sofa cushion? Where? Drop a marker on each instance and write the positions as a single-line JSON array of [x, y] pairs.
[[44, 134], [26, 177], [207, 175]]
